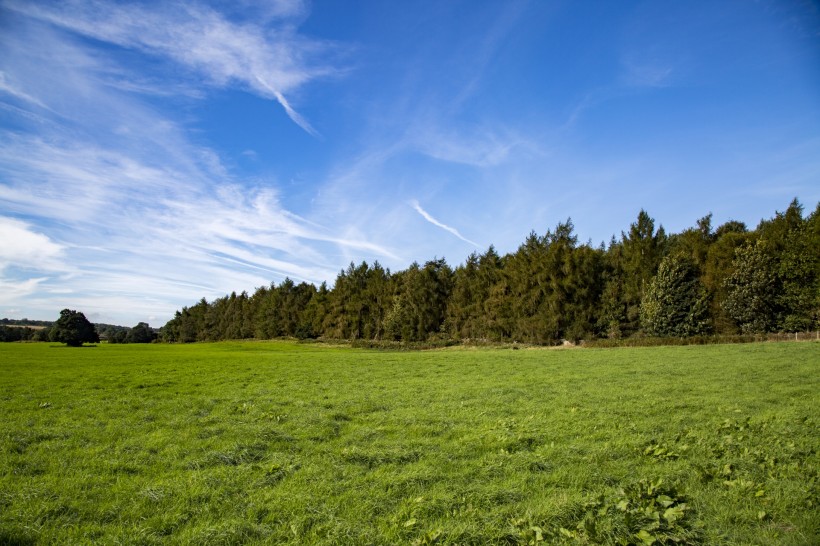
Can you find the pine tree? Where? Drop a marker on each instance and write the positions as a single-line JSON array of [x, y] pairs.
[[642, 251]]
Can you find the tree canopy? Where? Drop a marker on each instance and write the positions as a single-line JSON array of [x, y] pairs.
[[724, 279], [73, 329], [675, 303]]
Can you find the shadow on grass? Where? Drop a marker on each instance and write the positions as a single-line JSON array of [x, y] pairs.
[[9, 538]]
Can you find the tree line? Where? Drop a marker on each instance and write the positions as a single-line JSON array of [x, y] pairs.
[[702, 281], [42, 330]]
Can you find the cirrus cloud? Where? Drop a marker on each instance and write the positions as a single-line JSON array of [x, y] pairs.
[[271, 60]]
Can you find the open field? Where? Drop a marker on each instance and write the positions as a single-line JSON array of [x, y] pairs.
[[274, 442]]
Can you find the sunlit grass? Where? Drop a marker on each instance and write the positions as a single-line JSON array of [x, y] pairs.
[[274, 442]]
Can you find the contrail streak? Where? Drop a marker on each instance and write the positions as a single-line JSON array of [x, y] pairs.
[[426, 216]]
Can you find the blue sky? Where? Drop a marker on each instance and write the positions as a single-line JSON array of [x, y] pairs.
[[155, 153]]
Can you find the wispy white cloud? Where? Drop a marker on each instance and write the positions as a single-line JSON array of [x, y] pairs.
[[424, 214], [12, 291], [135, 219], [7, 87], [118, 211], [106, 152], [479, 58], [24, 247], [481, 148], [27, 260], [269, 59], [271, 9], [293, 114]]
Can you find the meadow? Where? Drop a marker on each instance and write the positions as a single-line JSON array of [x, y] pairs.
[[288, 443]]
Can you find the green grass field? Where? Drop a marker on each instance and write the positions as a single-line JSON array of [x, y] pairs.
[[276, 443]]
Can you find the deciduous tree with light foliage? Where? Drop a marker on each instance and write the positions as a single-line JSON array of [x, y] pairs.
[[676, 303], [754, 290]]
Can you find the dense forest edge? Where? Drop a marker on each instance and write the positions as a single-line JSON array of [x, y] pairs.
[[704, 283]]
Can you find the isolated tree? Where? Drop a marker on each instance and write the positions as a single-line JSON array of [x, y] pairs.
[[675, 303], [73, 329]]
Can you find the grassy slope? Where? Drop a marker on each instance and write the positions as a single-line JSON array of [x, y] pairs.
[[275, 442]]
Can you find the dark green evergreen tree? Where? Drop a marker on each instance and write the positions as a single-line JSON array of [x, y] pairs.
[[420, 306], [314, 314], [585, 289], [675, 303], [612, 309], [379, 295], [551, 288], [555, 287], [470, 313], [462, 305], [641, 254], [526, 291]]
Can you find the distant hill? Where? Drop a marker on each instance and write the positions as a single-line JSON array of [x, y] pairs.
[[26, 329], [37, 324], [33, 324], [105, 330]]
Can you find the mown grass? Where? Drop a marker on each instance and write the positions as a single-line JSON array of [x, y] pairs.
[[277, 443]]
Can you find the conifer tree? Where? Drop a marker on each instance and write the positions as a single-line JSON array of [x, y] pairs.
[[642, 251], [675, 303]]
